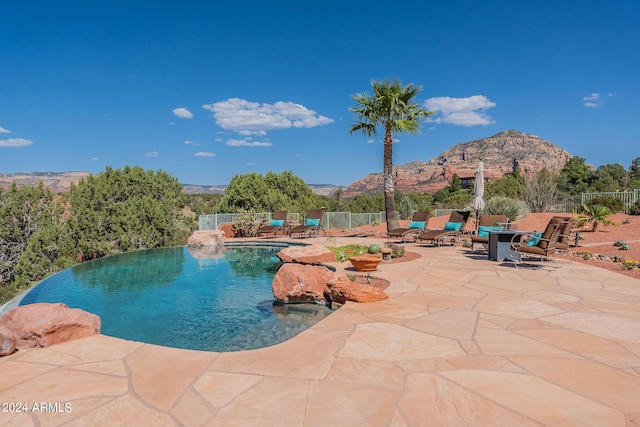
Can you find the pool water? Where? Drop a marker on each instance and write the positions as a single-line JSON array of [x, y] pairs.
[[183, 298]]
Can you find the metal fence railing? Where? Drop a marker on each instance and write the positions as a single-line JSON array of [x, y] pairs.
[[330, 220], [628, 197]]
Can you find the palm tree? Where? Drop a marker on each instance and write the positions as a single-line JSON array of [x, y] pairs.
[[595, 215], [391, 106]]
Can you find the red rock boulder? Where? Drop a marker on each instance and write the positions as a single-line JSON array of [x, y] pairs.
[[43, 324], [7, 345], [206, 238], [301, 283], [343, 289], [308, 254]]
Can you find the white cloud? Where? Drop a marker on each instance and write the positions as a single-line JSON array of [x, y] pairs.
[[195, 144], [254, 118], [591, 101], [152, 154], [3, 130], [461, 111], [370, 141], [183, 113], [95, 158], [15, 142], [247, 142], [595, 100], [204, 154]]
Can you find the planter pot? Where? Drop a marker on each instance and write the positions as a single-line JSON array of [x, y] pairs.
[[365, 262]]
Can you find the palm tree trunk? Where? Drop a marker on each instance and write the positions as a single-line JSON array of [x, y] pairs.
[[387, 173]]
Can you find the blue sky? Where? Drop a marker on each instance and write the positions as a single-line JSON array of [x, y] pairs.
[[208, 90]]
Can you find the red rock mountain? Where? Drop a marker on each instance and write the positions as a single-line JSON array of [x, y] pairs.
[[500, 153]]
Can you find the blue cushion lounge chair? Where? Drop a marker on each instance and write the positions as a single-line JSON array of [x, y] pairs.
[[452, 230], [312, 224], [540, 245], [487, 223], [417, 225], [277, 223]]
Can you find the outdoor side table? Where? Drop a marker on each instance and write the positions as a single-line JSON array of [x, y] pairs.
[[500, 244]]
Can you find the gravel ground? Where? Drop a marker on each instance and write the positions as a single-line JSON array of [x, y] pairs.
[[627, 229]]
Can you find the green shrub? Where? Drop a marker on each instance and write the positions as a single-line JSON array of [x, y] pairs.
[[634, 209], [246, 224], [512, 208], [615, 204]]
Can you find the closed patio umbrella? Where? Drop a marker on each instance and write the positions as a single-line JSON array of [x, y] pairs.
[[478, 191]]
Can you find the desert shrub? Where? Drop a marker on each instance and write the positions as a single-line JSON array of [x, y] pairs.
[[405, 207], [246, 224], [613, 203], [398, 250], [343, 253], [512, 208], [541, 191], [629, 264], [23, 212], [127, 209], [634, 209]]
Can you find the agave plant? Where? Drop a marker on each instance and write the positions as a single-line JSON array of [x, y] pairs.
[[595, 215], [498, 205]]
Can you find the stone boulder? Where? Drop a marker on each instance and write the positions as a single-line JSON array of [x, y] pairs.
[[308, 254], [301, 283], [206, 238], [343, 289], [7, 345], [43, 324]]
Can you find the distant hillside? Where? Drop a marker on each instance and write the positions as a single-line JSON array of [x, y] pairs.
[[500, 153], [57, 182], [322, 189], [60, 182]]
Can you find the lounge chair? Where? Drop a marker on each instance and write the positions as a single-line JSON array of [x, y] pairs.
[[567, 232], [417, 225], [277, 223], [452, 230], [540, 245], [312, 224], [487, 223]]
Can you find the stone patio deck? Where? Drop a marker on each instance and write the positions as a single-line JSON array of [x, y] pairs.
[[461, 341]]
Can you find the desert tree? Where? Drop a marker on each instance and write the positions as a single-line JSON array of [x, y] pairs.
[[392, 108], [541, 191]]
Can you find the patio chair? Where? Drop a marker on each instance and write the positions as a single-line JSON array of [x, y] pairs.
[[312, 224], [487, 223], [567, 233], [417, 225], [277, 223], [537, 245], [452, 230]]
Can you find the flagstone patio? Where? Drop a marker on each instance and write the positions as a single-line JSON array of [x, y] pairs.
[[461, 341]]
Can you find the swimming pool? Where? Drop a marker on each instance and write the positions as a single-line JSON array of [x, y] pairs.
[[183, 297]]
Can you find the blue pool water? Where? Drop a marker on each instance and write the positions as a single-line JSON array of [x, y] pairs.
[[184, 298]]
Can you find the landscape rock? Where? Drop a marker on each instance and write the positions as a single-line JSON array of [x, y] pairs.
[[7, 345], [44, 324], [206, 238], [343, 289], [301, 283], [308, 254]]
